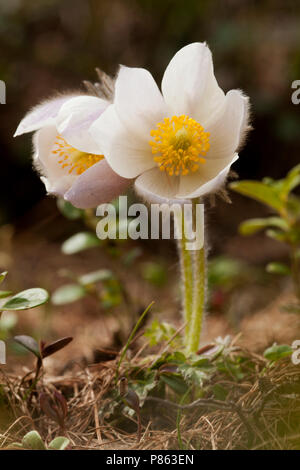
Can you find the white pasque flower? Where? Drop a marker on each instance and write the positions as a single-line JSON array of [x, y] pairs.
[[69, 160], [179, 143]]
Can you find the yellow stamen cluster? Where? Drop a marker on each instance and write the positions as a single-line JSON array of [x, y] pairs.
[[179, 145], [77, 161]]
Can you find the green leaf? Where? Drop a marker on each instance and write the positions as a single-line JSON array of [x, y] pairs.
[[293, 205], [175, 383], [29, 298], [277, 235], [278, 268], [260, 192], [59, 443], [5, 293], [290, 182], [68, 294], [3, 276], [252, 226], [96, 276], [176, 356], [278, 351], [79, 242], [69, 211], [29, 343], [33, 441]]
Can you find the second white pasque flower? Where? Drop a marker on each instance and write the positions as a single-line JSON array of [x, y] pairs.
[[71, 163], [179, 143]]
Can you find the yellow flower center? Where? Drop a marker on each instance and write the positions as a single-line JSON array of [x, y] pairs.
[[77, 161], [179, 145]]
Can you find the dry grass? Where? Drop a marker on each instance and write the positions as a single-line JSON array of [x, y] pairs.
[[260, 412]]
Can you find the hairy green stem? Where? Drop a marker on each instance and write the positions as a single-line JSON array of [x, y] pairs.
[[199, 287], [198, 300], [186, 269]]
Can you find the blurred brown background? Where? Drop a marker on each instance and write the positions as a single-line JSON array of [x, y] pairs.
[[51, 45]]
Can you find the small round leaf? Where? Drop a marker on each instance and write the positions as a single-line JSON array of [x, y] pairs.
[[33, 441], [59, 443], [96, 276], [29, 298], [68, 294], [29, 343], [79, 242]]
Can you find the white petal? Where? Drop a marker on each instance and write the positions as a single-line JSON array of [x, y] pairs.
[[57, 179], [99, 184], [138, 101], [57, 187], [227, 131], [126, 153], [155, 184], [75, 118], [42, 115], [189, 85], [210, 177]]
